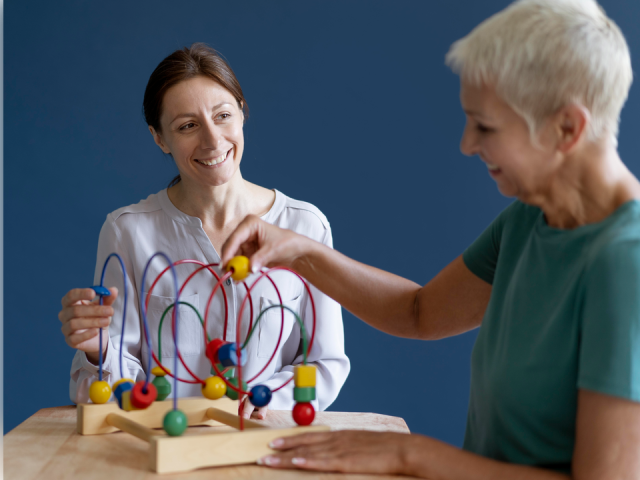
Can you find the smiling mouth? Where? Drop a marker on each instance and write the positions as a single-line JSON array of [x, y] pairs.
[[210, 162]]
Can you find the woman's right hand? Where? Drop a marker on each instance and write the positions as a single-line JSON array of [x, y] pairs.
[[265, 245], [83, 317]]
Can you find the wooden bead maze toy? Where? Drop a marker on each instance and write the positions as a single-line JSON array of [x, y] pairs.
[[142, 407]]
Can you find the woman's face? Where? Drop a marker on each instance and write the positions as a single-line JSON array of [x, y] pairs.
[[501, 138], [201, 126]]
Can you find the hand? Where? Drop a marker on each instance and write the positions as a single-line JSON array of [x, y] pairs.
[[345, 451], [266, 245], [247, 410], [82, 318]]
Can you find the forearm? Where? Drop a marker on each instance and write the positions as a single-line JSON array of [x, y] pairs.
[[429, 458], [383, 300]]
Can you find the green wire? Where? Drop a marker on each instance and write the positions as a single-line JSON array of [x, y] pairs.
[[162, 320], [303, 330]]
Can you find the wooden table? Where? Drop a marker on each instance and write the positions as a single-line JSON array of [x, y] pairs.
[[46, 445]]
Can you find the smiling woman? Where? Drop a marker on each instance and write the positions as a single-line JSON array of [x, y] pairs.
[[195, 109]]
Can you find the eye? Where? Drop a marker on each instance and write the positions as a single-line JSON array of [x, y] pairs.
[[224, 116], [187, 126], [483, 128]]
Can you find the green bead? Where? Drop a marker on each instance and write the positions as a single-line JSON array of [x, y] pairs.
[[175, 423], [231, 393], [163, 386], [228, 374], [304, 394]]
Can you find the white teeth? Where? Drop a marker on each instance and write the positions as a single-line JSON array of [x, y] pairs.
[[214, 161], [492, 167]]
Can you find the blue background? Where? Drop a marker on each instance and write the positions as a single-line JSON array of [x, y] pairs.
[[351, 109]]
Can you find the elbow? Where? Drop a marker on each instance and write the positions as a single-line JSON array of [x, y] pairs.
[[422, 326]]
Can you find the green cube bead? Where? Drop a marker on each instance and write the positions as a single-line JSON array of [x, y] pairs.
[[304, 394], [162, 386], [231, 393]]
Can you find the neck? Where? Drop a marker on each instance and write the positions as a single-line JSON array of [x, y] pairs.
[[588, 187], [216, 206]]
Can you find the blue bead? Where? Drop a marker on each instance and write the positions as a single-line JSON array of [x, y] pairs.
[[228, 355], [260, 396], [120, 389], [100, 290]]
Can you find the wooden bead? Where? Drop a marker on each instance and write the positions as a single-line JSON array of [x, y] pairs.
[[121, 386], [304, 376], [305, 394], [125, 401], [303, 413], [214, 388], [231, 393], [175, 423], [163, 387], [240, 267], [142, 397], [100, 392], [212, 349], [228, 355], [158, 372], [260, 396]]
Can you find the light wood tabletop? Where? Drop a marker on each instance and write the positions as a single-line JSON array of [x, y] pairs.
[[46, 445]]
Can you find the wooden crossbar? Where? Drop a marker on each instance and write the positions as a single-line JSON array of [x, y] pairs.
[[127, 425], [231, 419]]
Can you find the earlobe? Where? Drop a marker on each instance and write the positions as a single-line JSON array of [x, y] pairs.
[[572, 126], [158, 139]]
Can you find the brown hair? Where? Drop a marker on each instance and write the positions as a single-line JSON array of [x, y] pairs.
[[197, 60]]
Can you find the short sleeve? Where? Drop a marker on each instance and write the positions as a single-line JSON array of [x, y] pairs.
[[481, 257], [609, 359]]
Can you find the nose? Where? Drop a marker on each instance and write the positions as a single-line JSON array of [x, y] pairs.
[[469, 141], [210, 137]]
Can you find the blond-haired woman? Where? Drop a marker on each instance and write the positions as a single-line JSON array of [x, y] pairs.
[[553, 283]]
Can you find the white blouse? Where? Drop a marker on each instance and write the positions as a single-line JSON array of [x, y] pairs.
[[138, 231]]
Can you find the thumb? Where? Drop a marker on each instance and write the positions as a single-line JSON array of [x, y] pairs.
[[111, 298]]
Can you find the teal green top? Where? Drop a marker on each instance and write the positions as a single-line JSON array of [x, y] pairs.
[[564, 314]]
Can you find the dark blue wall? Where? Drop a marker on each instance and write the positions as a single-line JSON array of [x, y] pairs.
[[352, 109]]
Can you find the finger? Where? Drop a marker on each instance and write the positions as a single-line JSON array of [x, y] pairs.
[[327, 460], [245, 232], [247, 408], [108, 300], [285, 443], [76, 295], [77, 338], [75, 324], [260, 413], [85, 311]]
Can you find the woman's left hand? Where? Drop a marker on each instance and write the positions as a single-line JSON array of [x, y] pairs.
[[249, 411], [345, 451]]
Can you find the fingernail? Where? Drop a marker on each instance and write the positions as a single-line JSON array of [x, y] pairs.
[[104, 322], [254, 269], [278, 442], [298, 461], [270, 461]]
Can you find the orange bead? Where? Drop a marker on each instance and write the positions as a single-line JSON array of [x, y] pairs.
[[240, 267], [100, 392]]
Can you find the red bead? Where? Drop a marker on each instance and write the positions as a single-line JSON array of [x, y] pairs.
[[303, 413], [139, 398], [212, 349]]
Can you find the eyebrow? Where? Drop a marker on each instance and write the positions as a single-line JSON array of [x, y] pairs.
[[476, 114], [190, 114]]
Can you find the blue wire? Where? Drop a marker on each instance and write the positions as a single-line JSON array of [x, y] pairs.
[[124, 310], [175, 330]]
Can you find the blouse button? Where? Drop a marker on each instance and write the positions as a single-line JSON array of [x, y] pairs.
[[228, 281]]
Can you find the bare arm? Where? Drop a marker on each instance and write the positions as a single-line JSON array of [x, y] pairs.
[[452, 303]]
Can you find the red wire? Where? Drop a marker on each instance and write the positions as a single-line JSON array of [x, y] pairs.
[[203, 266]]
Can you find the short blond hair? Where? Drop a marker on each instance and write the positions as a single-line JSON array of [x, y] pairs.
[[541, 55]]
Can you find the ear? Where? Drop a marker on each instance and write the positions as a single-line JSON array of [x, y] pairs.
[[571, 125], [158, 139], [242, 111]]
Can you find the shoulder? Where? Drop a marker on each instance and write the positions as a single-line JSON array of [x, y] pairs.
[[125, 217], [301, 217]]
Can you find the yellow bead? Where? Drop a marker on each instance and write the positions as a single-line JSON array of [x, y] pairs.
[[304, 376], [122, 380], [126, 401], [100, 392], [214, 388], [240, 267], [158, 372]]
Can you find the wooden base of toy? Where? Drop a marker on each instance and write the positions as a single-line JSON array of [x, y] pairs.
[[188, 452]]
